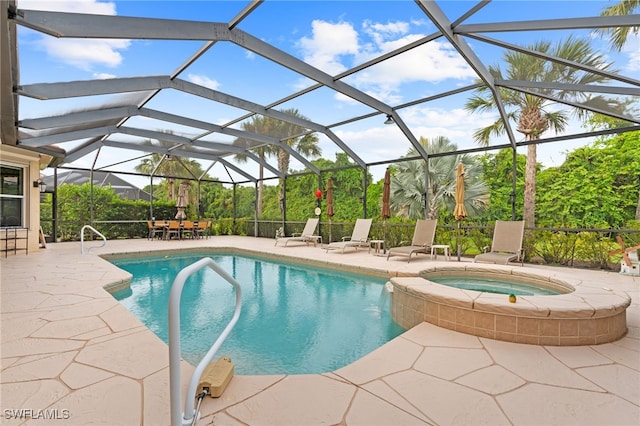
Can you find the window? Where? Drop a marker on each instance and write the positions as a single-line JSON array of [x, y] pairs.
[[11, 196]]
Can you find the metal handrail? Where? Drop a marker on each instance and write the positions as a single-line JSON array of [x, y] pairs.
[[95, 231], [190, 415]]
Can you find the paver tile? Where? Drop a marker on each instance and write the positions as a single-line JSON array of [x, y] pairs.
[[136, 355], [617, 379], [492, 380], [534, 364], [451, 363], [77, 376], [297, 400], [537, 404], [446, 402], [368, 410]]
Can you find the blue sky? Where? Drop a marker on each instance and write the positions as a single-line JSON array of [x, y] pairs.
[[333, 36]]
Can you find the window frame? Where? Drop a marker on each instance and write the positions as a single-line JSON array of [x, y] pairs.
[[23, 174]]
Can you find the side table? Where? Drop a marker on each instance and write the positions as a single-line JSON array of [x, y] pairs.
[[443, 247], [378, 246]]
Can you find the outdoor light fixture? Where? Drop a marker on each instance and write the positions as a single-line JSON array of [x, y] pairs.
[[40, 184], [389, 119]]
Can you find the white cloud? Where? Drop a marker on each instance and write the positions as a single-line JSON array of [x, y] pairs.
[[81, 53], [632, 48], [74, 6], [335, 47], [380, 32], [85, 54], [203, 80], [103, 75], [327, 44]]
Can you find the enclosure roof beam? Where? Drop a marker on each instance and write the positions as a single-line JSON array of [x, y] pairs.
[[551, 24], [576, 65], [617, 90], [74, 25], [225, 149], [437, 16], [118, 85], [177, 152]]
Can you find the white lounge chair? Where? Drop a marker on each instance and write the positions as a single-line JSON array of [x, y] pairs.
[[359, 237], [506, 245], [307, 236], [423, 236]]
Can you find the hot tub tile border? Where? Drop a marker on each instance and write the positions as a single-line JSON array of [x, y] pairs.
[[593, 316]]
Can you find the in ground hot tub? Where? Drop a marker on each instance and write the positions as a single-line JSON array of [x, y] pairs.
[[578, 315]]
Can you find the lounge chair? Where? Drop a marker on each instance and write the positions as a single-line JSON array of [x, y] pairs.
[[423, 235], [307, 236], [359, 237], [506, 245]]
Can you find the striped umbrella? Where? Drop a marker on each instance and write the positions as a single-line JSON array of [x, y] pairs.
[[330, 211], [459, 212]]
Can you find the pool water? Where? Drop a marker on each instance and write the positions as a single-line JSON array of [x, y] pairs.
[[295, 319], [490, 285]]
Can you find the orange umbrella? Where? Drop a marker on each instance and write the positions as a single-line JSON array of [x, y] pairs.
[[330, 211], [386, 198], [459, 212]]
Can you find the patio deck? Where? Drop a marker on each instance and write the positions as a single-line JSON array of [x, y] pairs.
[[71, 351]]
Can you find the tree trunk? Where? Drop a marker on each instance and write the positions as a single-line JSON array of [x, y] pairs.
[[260, 188], [172, 188], [260, 183], [283, 166], [529, 210]]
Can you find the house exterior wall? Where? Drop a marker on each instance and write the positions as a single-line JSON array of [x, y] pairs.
[[30, 161]]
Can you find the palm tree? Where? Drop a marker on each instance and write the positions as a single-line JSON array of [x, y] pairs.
[[290, 134], [534, 115], [306, 145], [259, 125], [169, 169], [408, 183], [618, 35]]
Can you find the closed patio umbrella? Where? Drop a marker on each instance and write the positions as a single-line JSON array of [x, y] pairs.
[[181, 204], [330, 211], [386, 200], [459, 212]]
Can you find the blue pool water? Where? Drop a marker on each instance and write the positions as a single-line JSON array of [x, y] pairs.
[[491, 285], [295, 319]]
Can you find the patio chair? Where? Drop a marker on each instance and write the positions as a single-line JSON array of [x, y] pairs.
[[423, 236], [156, 229], [307, 236], [188, 229], [201, 229], [173, 228], [506, 245], [359, 237]]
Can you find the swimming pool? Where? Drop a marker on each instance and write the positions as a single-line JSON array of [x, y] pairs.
[[296, 319]]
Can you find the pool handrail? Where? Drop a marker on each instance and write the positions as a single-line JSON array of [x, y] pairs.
[[178, 417], [95, 231]]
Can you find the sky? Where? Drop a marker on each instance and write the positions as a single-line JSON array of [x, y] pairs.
[[333, 39]]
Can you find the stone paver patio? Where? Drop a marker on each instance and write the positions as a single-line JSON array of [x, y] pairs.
[[72, 353]]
